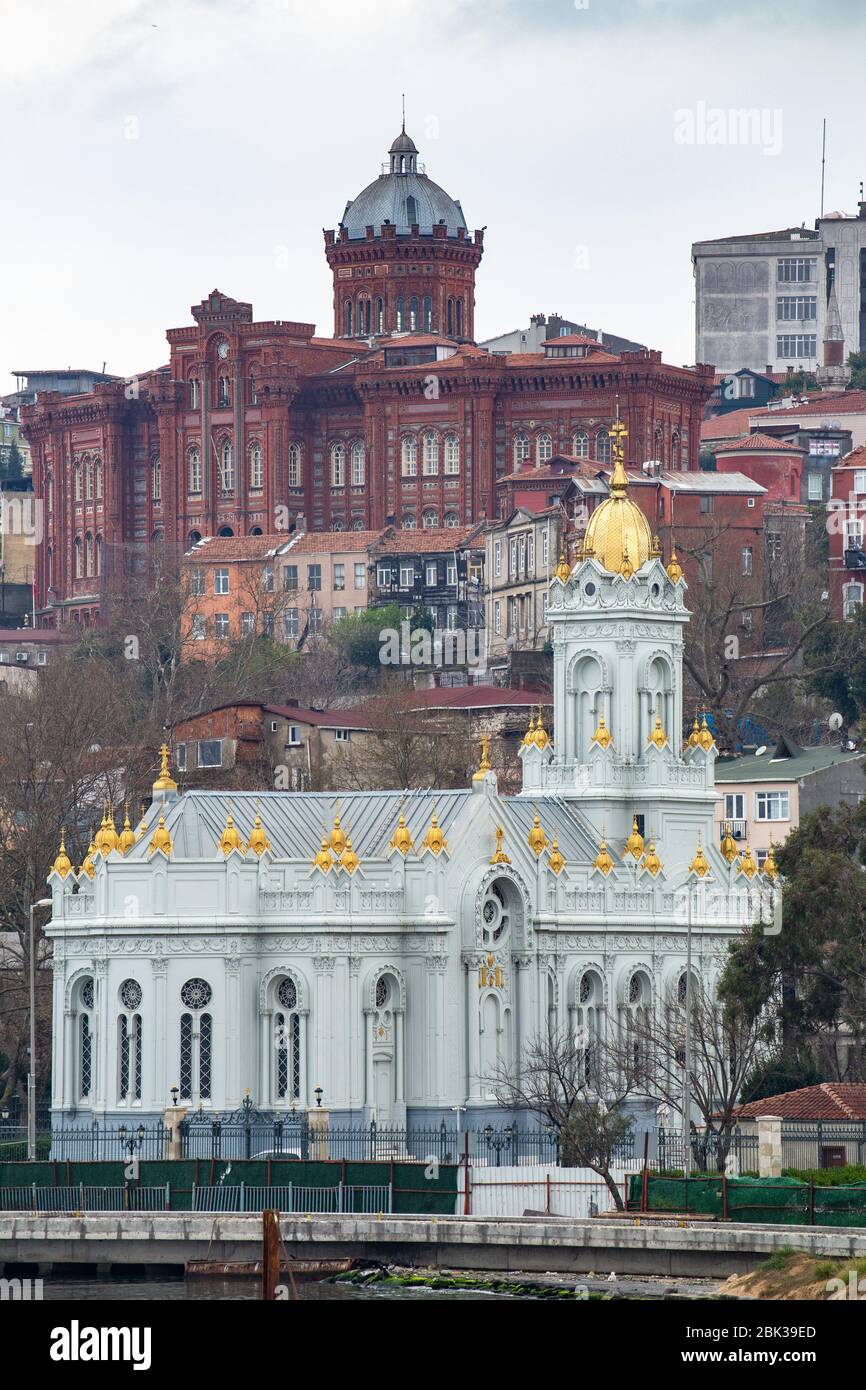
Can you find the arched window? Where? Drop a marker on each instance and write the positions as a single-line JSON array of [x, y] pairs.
[[452, 453], [88, 478], [430, 519], [401, 313], [129, 1043], [78, 483], [257, 476], [521, 448], [88, 553], [196, 1041], [602, 446], [675, 460], [363, 318], [413, 313], [590, 1024], [380, 316], [459, 306], [156, 478], [338, 465], [79, 558], [287, 1042], [295, 465], [430, 447], [97, 475], [411, 212], [347, 318], [194, 537], [409, 523], [337, 525], [357, 523], [97, 554], [227, 469], [451, 519], [450, 319], [193, 471], [852, 599], [252, 394], [194, 393], [409, 455], [635, 1023], [580, 444], [84, 1068], [428, 313], [358, 463], [49, 567], [543, 447], [224, 391]]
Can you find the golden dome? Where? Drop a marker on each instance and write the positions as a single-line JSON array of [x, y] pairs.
[[259, 841], [160, 839], [536, 837], [484, 765], [675, 569], [658, 735], [634, 843], [87, 866], [728, 845], [435, 840], [699, 864], [705, 737], [62, 864], [529, 736], [618, 534], [771, 870], [746, 864], [401, 839], [603, 861], [126, 839], [695, 735], [231, 838], [164, 782], [337, 839], [541, 736], [602, 736], [323, 858], [651, 861], [499, 856], [563, 569], [349, 859], [556, 861], [106, 835]]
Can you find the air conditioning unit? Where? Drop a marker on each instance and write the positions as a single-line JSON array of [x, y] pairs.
[[20, 656]]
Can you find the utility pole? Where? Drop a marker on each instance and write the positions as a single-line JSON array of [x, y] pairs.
[[31, 1072]]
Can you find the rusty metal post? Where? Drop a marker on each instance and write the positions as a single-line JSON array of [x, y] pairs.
[[270, 1255]]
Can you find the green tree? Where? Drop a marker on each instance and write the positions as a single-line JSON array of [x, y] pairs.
[[14, 464], [357, 637], [857, 363], [835, 665]]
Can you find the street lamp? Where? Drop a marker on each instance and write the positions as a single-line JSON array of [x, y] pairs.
[[31, 1074]]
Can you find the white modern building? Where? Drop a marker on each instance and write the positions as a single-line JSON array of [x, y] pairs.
[[392, 948]]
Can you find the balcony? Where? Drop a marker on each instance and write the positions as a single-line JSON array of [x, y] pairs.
[[855, 558], [738, 829]]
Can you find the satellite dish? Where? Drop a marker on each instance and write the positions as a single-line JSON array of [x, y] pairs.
[[835, 721], [759, 752]]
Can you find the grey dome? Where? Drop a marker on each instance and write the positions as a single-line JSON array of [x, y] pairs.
[[386, 199], [403, 144]]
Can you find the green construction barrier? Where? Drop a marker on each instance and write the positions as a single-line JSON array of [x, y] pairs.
[[782, 1201]]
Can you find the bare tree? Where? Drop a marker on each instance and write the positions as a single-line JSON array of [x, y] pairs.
[[578, 1093], [404, 746]]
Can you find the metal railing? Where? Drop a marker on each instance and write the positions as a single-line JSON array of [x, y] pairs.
[[95, 1141], [823, 1144], [82, 1197], [290, 1197]]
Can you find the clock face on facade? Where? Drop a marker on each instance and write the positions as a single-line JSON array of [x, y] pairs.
[[223, 349]]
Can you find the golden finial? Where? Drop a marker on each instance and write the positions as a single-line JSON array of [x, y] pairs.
[[603, 860], [349, 859], [536, 837], [160, 839], [402, 839], [323, 859], [651, 862], [634, 843], [106, 837], [658, 737], [337, 839], [542, 738], [556, 859], [588, 550], [746, 864], [164, 782], [656, 550], [699, 864], [231, 838], [435, 840], [563, 569], [126, 839], [259, 841], [62, 864], [484, 765], [695, 735], [602, 736], [705, 738], [500, 857], [728, 846], [626, 569], [529, 736], [143, 823], [771, 870], [618, 434], [88, 867], [675, 569]]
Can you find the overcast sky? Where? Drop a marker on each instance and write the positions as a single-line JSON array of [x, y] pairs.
[[155, 149]]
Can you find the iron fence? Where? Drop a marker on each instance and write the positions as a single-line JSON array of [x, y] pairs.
[[291, 1197], [823, 1144], [83, 1197], [708, 1152], [94, 1141]]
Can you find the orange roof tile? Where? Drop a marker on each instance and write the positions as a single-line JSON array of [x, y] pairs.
[[831, 1100]]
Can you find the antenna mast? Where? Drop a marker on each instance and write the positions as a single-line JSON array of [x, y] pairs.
[[823, 162]]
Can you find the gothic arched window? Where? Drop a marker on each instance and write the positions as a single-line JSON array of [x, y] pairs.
[[129, 1043], [338, 465], [430, 447], [227, 469], [521, 447], [452, 453], [602, 446], [295, 465], [196, 1041], [409, 455], [580, 444], [287, 1041], [156, 478], [257, 475], [84, 1068], [543, 447], [430, 519], [193, 470], [358, 463]]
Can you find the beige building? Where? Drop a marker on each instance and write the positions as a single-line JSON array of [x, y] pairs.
[[763, 796], [522, 552]]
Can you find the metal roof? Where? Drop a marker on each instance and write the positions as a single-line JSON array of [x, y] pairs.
[[769, 768], [384, 200]]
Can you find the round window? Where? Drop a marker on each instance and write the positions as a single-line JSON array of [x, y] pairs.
[[494, 915], [130, 994], [589, 589], [287, 993], [196, 994]]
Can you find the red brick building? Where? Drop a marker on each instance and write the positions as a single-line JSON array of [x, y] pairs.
[[846, 525], [398, 418]]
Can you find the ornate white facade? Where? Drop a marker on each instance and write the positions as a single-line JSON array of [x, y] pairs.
[[395, 987]]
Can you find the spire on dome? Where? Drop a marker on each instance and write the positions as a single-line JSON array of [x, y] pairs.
[[403, 152]]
